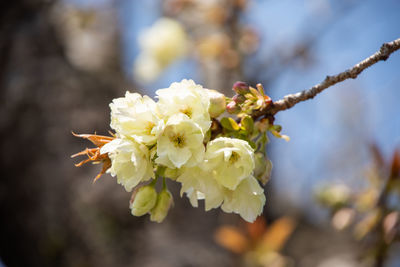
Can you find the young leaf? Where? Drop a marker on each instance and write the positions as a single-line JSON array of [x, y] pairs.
[[247, 123], [229, 124]]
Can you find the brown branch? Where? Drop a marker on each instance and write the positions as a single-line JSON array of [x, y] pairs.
[[290, 100]]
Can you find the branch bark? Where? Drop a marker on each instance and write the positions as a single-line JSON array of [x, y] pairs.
[[290, 100]]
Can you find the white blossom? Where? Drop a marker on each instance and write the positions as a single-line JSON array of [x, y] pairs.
[[134, 116], [197, 180], [230, 160], [130, 162], [185, 97], [247, 199], [180, 143]]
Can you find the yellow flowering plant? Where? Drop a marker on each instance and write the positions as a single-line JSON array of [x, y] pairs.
[[209, 143]]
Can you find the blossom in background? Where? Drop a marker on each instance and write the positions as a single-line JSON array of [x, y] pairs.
[[146, 68], [185, 97], [161, 44], [134, 116], [130, 162]]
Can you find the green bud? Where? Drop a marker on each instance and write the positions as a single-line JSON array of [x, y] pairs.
[[217, 103], [241, 88], [143, 200], [160, 210], [233, 108], [263, 168], [239, 99]]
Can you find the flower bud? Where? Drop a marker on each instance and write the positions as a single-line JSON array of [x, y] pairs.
[[263, 168], [239, 99], [217, 103], [160, 210], [232, 108], [143, 200], [241, 88]]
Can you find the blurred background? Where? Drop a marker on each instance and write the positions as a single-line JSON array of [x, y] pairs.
[[62, 63]]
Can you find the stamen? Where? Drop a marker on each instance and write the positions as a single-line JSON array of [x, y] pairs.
[[178, 140], [234, 157], [187, 111]]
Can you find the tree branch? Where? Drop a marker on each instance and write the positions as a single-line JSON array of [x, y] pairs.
[[290, 100]]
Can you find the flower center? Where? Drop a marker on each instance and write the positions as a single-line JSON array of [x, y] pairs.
[[149, 127], [234, 157], [187, 111], [178, 140]]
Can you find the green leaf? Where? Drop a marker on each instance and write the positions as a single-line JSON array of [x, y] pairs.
[[254, 92], [247, 123], [276, 127], [229, 124], [252, 144]]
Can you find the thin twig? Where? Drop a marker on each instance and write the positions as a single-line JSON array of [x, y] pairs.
[[290, 100]]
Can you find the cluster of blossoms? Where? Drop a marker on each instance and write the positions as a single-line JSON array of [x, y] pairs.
[[180, 138]]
